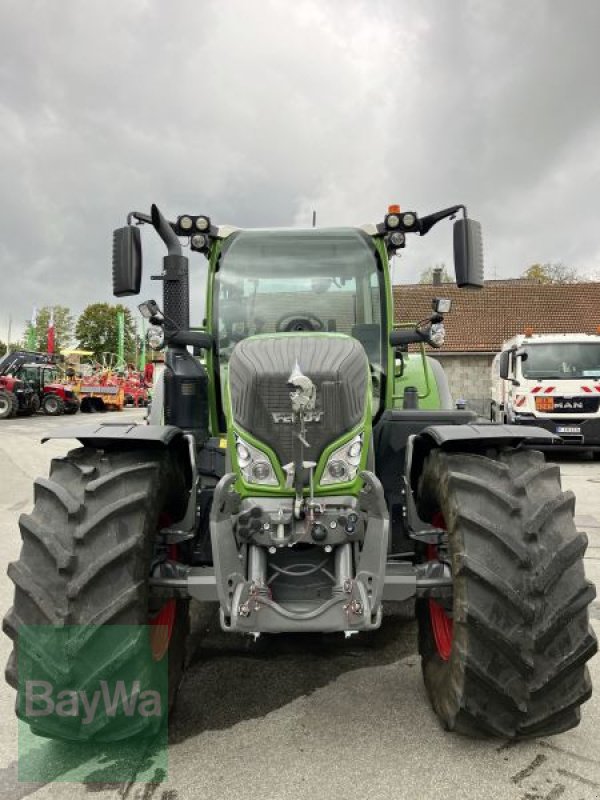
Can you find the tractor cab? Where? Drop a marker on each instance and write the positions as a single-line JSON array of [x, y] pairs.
[[317, 282]]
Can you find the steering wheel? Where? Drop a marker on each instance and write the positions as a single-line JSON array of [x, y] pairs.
[[299, 321]]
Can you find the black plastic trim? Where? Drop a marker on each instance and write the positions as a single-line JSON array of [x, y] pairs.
[[109, 433]]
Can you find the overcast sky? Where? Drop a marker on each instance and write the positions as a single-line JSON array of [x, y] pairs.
[[258, 111]]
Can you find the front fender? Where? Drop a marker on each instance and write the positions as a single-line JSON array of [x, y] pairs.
[[468, 439], [110, 433]]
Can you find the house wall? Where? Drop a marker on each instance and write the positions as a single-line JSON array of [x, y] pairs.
[[469, 378]]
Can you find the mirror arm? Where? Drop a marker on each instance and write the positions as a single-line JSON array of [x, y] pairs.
[[427, 223], [195, 338], [137, 215]]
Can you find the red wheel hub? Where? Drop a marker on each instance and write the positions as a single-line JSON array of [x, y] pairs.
[[163, 622], [442, 625]]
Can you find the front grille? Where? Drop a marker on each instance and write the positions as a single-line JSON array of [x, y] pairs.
[[259, 370]]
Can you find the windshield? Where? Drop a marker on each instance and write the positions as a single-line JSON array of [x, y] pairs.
[[325, 280], [562, 360]]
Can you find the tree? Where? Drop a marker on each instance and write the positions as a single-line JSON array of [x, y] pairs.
[[63, 328], [97, 330], [2, 348], [551, 273], [427, 274]]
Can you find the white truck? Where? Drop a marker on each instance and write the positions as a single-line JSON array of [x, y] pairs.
[[551, 381]]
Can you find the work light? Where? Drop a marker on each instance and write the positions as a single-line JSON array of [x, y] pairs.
[[397, 239]]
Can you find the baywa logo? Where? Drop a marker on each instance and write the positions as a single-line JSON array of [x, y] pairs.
[[103, 687], [42, 699]]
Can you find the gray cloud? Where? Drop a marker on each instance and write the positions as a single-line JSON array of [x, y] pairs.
[[258, 112]]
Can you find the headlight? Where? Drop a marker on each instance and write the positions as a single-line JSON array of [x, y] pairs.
[[342, 465], [254, 465], [437, 335], [155, 337]]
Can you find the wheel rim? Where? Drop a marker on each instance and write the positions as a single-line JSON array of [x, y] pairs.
[[3, 404], [442, 625], [162, 622], [162, 625], [51, 405]]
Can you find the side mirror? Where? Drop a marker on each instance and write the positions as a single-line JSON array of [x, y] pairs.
[[468, 254], [505, 364], [127, 261]]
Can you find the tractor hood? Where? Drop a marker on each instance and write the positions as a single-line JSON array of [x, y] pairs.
[[328, 373]]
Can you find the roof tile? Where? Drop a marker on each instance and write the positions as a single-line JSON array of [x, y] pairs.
[[480, 320]]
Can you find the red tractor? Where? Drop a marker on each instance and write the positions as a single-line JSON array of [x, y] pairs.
[[30, 381], [54, 397]]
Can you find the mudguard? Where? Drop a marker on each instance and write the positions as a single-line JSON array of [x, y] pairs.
[[469, 438], [109, 433]]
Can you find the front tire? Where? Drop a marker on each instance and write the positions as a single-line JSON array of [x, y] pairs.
[[52, 405], [507, 655], [86, 557]]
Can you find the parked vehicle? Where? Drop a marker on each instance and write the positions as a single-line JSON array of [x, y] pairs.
[[30, 381], [54, 396], [551, 381], [294, 475]]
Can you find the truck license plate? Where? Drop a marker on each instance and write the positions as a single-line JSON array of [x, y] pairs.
[[568, 429]]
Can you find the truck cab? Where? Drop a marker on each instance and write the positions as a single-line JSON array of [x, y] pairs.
[[550, 381]]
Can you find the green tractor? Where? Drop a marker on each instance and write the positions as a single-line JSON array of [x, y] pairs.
[[302, 466]]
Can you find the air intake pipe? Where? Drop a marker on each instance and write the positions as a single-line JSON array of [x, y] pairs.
[[186, 381], [176, 284]]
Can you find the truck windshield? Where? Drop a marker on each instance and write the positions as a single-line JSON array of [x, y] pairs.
[[562, 360], [299, 280]]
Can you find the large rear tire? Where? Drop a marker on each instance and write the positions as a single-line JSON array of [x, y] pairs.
[[87, 550], [506, 656]]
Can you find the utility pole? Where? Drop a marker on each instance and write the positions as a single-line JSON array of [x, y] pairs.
[[143, 355], [121, 337], [9, 331], [314, 224]]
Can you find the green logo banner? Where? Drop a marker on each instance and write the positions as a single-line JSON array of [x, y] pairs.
[[92, 703]]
